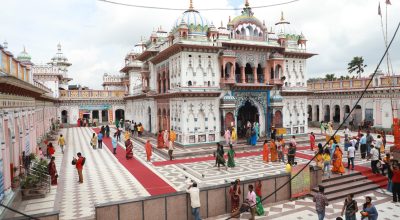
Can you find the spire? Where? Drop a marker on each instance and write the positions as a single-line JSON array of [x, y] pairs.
[[24, 49], [222, 24], [246, 3], [59, 47], [191, 5], [282, 18], [5, 44]]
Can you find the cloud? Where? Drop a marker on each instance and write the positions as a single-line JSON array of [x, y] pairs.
[[96, 36]]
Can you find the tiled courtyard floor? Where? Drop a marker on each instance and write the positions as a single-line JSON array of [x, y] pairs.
[[106, 180]]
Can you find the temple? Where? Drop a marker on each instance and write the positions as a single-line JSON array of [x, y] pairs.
[[199, 79]]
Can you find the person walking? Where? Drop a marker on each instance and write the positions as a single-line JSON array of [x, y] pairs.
[[350, 208], [227, 136], [166, 138], [321, 201], [170, 149], [374, 159], [107, 131], [128, 149], [259, 206], [194, 193], [265, 152], [50, 150], [172, 136], [369, 140], [379, 145], [351, 151], [291, 154], [234, 192], [338, 161], [280, 147], [93, 141], [160, 140], [233, 135], [312, 141], [363, 146], [231, 156], [369, 211], [346, 132], [79, 162], [100, 140], [114, 143], [149, 150], [273, 150], [52, 169], [395, 182], [119, 134], [251, 199], [61, 142], [327, 163], [322, 127], [220, 157]]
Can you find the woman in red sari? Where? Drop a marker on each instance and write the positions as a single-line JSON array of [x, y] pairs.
[[148, 150], [160, 140], [53, 171], [337, 161], [50, 150], [129, 149], [312, 141], [235, 192]]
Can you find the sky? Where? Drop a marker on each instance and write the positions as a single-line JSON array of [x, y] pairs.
[[96, 36]]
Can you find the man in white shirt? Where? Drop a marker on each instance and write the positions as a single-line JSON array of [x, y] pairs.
[[374, 160], [351, 151], [194, 193], [251, 199]]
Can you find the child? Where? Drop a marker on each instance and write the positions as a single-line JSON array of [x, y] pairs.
[[327, 162]]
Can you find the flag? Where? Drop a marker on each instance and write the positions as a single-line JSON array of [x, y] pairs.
[[379, 9], [388, 2]]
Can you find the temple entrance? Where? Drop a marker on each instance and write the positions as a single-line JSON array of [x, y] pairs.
[[119, 114], [64, 116], [95, 114], [104, 115], [247, 113], [229, 120]]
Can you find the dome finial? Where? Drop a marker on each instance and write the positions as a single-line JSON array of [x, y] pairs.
[[24, 49], [191, 5], [59, 47], [282, 18], [5, 44], [246, 3]]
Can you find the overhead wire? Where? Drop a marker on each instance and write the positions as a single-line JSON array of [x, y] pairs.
[[333, 135], [198, 9]]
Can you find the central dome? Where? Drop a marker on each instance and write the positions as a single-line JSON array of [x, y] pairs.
[[196, 23], [247, 16]]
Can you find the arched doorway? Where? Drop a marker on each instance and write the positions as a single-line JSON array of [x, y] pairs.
[[119, 114], [229, 120], [260, 74], [149, 119], [237, 73], [278, 122], [95, 114], [159, 119], [248, 71], [357, 115], [327, 116], [309, 112], [336, 116], [104, 115], [247, 112], [228, 70], [64, 116], [317, 113]]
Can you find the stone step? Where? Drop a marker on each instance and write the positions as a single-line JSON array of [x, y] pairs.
[[349, 173], [354, 190], [345, 186], [344, 180]]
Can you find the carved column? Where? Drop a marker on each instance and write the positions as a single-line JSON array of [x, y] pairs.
[[255, 74], [242, 74]]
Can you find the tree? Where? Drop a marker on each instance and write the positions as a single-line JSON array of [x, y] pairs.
[[356, 65], [330, 77]]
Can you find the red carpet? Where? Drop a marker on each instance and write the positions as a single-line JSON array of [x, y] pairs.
[[149, 180], [200, 159]]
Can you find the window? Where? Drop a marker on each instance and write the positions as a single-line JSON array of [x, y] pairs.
[[189, 83]]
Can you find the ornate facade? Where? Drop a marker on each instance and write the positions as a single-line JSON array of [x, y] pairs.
[[333, 101], [27, 111], [199, 79]]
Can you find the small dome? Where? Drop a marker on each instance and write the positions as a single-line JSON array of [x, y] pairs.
[[212, 28], [24, 56], [276, 98], [247, 16], [302, 37], [139, 48], [196, 23], [228, 97], [59, 56]]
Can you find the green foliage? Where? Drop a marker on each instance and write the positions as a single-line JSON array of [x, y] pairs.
[[330, 77], [29, 182], [356, 65]]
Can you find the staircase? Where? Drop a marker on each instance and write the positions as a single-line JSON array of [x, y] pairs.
[[338, 187]]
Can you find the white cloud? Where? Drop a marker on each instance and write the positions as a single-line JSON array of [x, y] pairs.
[[96, 35]]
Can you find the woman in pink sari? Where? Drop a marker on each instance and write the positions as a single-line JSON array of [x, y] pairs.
[[227, 136]]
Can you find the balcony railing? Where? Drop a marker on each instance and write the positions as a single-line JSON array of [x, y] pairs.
[[91, 94], [353, 83]]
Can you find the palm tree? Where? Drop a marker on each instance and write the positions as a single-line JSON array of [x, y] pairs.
[[356, 65], [330, 77]]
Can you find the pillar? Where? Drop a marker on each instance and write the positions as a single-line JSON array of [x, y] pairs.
[[242, 74], [255, 74], [100, 116]]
